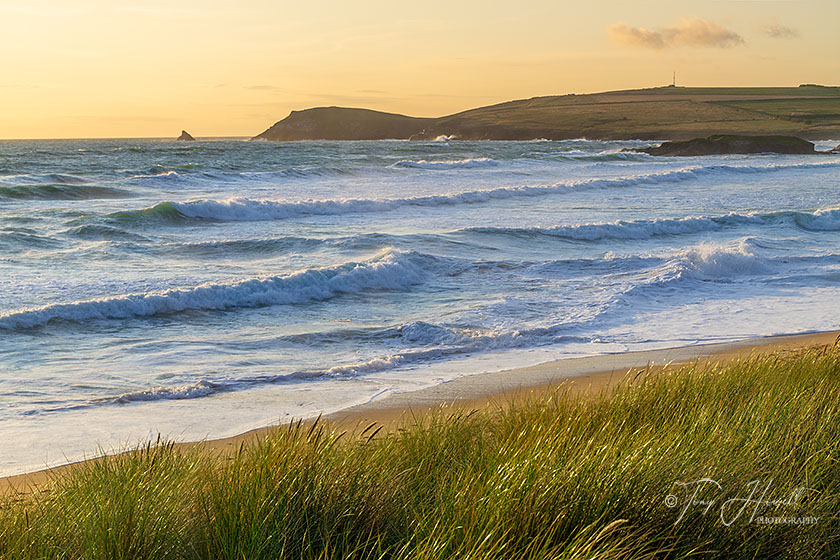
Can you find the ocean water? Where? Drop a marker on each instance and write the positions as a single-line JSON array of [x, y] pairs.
[[203, 289]]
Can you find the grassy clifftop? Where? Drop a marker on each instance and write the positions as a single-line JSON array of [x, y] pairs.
[[811, 112]]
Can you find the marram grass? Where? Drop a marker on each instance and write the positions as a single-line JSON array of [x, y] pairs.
[[566, 477]]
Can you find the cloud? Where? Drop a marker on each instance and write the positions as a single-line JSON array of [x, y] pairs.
[[687, 32], [636, 36], [779, 31]]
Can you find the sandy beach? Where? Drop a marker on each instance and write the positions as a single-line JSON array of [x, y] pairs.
[[588, 376]]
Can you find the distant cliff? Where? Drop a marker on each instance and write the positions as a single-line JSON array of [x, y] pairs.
[[339, 123], [809, 112]]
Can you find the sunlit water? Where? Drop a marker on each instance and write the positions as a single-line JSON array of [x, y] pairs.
[[202, 289]]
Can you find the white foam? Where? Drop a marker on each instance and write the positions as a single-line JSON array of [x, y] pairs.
[[192, 391], [469, 163], [720, 262], [820, 220], [390, 270], [622, 229], [245, 209], [215, 177]]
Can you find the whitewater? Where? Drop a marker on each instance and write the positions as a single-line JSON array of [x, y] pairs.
[[203, 289]]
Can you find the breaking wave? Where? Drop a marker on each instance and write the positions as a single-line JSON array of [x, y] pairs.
[[390, 270], [821, 220], [162, 174], [193, 391], [245, 209], [470, 163], [709, 261], [418, 341], [425, 342], [606, 155], [825, 219]]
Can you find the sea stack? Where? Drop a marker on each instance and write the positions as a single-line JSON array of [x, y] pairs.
[[185, 137]]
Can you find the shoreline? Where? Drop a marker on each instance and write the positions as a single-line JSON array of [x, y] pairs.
[[586, 376]]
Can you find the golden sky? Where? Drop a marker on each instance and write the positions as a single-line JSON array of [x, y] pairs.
[[92, 68]]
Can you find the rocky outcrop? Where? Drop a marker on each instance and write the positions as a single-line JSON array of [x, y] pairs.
[[719, 144], [341, 123], [836, 150], [185, 137]]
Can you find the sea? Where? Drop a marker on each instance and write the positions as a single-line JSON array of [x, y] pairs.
[[201, 289]]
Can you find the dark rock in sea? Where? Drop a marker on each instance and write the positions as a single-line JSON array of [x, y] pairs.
[[835, 150], [732, 144], [186, 137]]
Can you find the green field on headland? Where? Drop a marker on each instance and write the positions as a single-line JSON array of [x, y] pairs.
[[675, 113], [565, 477]]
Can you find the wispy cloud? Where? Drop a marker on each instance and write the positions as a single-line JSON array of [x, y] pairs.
[[779, 31], [687, 32]]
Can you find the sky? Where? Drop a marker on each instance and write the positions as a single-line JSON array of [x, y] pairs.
[[97, 69]]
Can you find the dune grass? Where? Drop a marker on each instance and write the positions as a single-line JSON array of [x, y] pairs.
[[564, 477]]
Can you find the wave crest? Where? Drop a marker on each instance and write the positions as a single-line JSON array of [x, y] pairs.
[[469, 163], [820, 220], [715, 262], [182, 175], [244, 209], [390, 270], [194, 391], [824, 219]]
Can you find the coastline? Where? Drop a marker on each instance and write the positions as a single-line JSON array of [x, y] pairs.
[[650, 114], [585, 376]]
